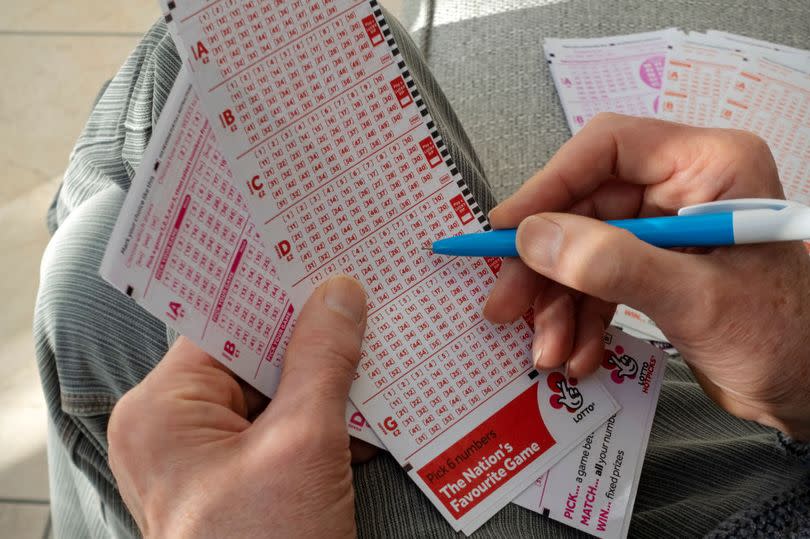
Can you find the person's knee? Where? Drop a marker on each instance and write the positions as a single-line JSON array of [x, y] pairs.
[[102, 342]]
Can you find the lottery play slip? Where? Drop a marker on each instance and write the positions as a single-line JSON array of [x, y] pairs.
[[296, 146], [716, 79], [594, 487], [186, 249]]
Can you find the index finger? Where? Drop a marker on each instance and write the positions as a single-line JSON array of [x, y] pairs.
[[640, 151]]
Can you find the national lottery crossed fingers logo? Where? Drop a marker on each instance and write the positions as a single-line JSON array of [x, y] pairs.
[[620, 364], [565, 392]]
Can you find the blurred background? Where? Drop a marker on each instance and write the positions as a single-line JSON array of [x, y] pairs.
[[54, 57]]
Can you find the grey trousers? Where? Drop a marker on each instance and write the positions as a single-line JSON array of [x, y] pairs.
[[704, 468]]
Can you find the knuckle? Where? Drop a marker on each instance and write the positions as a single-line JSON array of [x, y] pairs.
[[308, 436], [753, 144], [602, 118], [756, 153], [596, 267], [336, 349]]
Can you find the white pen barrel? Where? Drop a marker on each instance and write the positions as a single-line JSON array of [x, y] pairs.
[[760, 226]]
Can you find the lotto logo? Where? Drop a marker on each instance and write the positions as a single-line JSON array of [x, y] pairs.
[[401, 91], [620, 364], [431, 152], [565, 392], [373, 30]]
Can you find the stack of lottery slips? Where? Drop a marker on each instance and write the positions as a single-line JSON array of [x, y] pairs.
[[294, 146], [714, 79]]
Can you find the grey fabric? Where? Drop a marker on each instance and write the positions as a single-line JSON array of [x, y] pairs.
[[93, 344]]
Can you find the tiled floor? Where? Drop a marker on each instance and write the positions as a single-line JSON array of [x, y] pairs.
[[54, 56]]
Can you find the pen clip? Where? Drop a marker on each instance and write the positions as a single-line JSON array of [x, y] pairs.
[[739, 204]]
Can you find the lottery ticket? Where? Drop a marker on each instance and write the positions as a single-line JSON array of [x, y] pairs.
[[594, 487], [609, 74], [636, 321], [344, 171], [754, 46], [185, 249], [772, 99], [696, 76]]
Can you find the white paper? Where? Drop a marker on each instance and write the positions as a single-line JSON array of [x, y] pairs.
[[627, 317], [754, 46], [621, 74], [772, 100], [696, 77], [343, 171], [594, 487], [185, 248]]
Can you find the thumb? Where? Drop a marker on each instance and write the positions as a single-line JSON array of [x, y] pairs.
[[609, 263], [324, 351]]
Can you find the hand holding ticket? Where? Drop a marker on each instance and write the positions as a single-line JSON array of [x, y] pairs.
[[643, 167], [296, 146], [286, 472]]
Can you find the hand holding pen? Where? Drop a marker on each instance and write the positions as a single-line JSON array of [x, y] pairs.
[[739, 315]]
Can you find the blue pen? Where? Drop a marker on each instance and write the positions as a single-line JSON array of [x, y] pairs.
[[714, 224]]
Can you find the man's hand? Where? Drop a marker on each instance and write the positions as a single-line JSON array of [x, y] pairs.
[[189, 463], [739, 315]]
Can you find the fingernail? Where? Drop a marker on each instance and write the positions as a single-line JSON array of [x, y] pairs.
[[539, 241], [537, 351], [345, 296]]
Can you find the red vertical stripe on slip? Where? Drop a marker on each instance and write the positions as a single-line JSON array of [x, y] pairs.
[[167, 249], [229, 280], [463, 211], [279, 333], [494, 264], [373, 30], [431, 152], [401, 91]]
